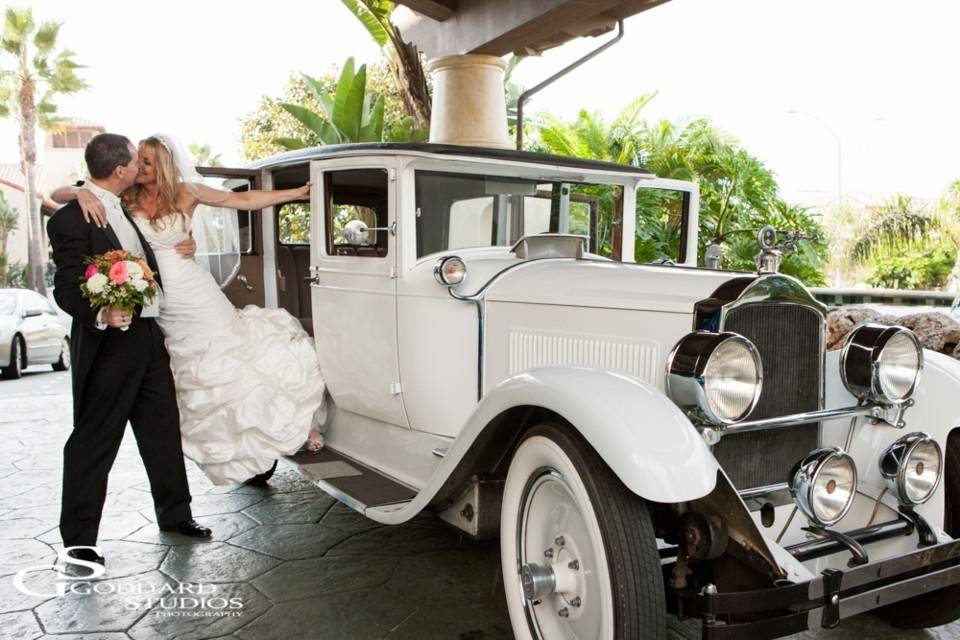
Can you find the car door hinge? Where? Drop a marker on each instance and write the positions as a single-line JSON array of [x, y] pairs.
[[393, 271], [395, 388], [393, 175]]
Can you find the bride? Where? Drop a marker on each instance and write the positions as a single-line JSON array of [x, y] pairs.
[[248, 382]]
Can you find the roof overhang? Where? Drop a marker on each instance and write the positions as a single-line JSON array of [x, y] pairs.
[[498, 27]]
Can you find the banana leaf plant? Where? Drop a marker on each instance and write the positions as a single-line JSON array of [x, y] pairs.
[[349, 115]]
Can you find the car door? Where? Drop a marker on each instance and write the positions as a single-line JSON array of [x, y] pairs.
[[353, 284], [230, 242], [663, 230], [39, 327]]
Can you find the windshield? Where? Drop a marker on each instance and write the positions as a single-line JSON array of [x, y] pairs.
[[8, 304], [459, 211]]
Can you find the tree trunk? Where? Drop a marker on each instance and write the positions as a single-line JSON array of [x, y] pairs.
[[408, 72], [28, 160]]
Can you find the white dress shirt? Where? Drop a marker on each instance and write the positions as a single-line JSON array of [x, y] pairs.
[[129, 240]]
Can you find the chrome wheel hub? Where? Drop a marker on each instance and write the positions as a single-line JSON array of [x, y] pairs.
[[555, 559]]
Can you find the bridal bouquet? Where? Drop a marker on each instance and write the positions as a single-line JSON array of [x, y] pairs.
[[118, 279]]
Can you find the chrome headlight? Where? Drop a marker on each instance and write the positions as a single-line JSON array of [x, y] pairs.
[[719, 374], [912, 467], [450, 270], [823, 485], [881, 363]]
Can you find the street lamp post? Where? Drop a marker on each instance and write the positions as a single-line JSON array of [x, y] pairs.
[[836, 137]]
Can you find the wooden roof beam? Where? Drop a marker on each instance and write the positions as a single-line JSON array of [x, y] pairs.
[[499, 27], [438, 10]]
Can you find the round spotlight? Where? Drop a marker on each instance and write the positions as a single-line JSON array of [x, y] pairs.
[[450, 270], [912, 467], [881, 363], [717, 374], [823, 485]]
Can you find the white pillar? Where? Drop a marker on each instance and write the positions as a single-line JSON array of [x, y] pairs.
[[469, 106]]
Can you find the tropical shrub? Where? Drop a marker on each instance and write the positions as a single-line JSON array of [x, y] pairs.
[[922, 267]]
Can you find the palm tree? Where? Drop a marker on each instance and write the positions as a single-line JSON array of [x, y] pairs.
[[27, 91], [738, 193], [947, 218], [900, 223], [590, 136], [204, 156]]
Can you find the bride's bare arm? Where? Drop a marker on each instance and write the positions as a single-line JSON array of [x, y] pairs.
[[93, 210], [247, 200]]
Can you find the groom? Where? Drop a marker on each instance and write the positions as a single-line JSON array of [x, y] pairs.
[[118, 375]]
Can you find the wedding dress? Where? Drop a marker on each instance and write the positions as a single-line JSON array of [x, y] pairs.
[[248, 381]]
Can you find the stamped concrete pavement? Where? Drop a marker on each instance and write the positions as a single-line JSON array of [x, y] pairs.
[[286, 561]]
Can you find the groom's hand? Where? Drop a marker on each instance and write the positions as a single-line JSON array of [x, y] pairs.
[[116, 318], [187, 248]]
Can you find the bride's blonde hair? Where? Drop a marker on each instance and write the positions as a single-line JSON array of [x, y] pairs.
[[169, 181]]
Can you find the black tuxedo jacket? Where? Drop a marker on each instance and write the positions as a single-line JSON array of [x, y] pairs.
[[74, 239]]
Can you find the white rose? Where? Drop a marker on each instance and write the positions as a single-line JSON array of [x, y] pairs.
[[140, 284], [96, 283], [134, 271]]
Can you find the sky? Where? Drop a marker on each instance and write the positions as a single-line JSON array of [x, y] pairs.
[[870, 82]]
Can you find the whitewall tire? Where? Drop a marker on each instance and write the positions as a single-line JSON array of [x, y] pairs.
[[578, 551]]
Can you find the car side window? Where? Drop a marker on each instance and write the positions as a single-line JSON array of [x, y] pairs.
[[34, 302], [357, 212], [459, 211], [660, 225], [294, 220]]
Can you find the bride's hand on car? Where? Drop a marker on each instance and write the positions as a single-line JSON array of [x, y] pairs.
[[303, 192], [93, 209]]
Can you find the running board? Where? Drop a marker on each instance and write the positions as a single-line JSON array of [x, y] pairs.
[[352, 483]]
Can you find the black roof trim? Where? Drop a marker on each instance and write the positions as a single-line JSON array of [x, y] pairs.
[[449, 149]]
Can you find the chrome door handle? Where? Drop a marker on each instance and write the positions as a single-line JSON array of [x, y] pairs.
[[246, 283]]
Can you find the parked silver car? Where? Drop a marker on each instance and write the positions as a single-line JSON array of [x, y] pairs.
[[31, 333]]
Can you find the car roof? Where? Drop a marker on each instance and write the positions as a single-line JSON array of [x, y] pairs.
[[447, 150], [20, 292]]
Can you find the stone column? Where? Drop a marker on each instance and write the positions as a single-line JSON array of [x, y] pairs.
[[469, 106]]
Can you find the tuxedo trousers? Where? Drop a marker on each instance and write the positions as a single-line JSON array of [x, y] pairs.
[[130, 380]]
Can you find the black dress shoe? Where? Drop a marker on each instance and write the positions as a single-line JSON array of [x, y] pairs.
[[86, 554], [260, 480], [190, 528]]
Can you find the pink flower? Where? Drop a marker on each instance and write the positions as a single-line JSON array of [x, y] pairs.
[[91, 269], [118, 273]]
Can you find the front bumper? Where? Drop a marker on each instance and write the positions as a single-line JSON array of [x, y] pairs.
[[822, 601]]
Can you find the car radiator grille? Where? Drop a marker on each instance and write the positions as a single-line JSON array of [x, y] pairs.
[[789, 338]]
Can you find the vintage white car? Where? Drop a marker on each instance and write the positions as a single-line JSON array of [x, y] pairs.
[[644, 437]]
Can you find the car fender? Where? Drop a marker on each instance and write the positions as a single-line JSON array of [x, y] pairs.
[[640, 433], [642, 436]]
